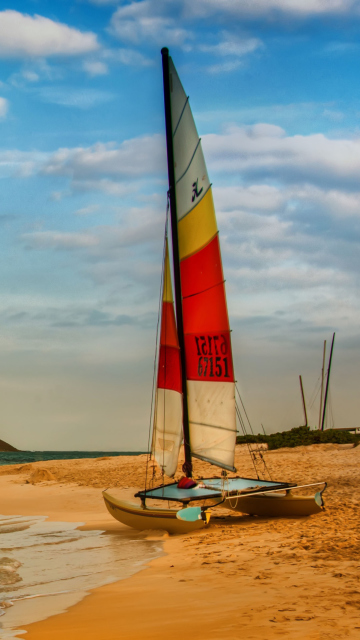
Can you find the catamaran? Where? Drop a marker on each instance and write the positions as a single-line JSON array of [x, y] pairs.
[[195, 390]]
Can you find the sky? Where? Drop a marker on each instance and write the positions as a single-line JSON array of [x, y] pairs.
[[274, 88]]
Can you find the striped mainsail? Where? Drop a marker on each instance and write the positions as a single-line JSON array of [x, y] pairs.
[[167, 431], [209, 366]]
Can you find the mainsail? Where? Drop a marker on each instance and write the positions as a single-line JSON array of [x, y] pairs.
[[208, 357], [167, 431]]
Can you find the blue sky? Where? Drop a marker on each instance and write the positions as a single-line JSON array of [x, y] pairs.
[[274, 88]]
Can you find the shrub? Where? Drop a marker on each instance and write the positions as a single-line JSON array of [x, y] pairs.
[[301, 436]]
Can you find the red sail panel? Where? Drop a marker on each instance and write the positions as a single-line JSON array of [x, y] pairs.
[[206, 322], [169, 335], [202, 270], [169, 372]]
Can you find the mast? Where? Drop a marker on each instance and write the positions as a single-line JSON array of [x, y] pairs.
[[322, 384], [327, 383], [303, 400], [187, 468]]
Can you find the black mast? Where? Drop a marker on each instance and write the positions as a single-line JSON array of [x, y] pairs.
[[327, 383], [187, 468]]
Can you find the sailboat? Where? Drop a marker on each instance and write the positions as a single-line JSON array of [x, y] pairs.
[[195, 391]]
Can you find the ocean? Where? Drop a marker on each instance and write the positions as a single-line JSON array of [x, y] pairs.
[[46, 567], [22, 457]]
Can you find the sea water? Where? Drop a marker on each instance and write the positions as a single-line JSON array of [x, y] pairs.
[[46, 567], [23, 457]]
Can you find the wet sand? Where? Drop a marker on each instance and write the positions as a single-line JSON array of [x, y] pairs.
[[240, 578]]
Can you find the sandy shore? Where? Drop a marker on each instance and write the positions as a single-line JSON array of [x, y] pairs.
[[240, 578]]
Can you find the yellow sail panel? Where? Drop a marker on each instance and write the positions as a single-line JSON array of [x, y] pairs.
[[167, 288], [198, 227]]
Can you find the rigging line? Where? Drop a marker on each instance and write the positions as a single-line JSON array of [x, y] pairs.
[[244, 433], [258, 445], [331, 414], [243, 406], [191, 159], [198, 293], [258, 451], [181, 114], [315, 391], [156, 342], [312, 402]]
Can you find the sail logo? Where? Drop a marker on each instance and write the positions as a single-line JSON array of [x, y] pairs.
[[195, 191]]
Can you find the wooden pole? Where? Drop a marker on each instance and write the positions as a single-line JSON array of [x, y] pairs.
[[303, 400]]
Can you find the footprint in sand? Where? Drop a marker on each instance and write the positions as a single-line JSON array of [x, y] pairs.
[[279, 619]]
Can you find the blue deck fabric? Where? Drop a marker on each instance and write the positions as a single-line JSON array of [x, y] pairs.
[[172, 491]]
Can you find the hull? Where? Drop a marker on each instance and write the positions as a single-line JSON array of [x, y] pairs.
[[274, 504], [138, 517]]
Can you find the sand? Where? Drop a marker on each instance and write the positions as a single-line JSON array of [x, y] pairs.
[[243, 577]]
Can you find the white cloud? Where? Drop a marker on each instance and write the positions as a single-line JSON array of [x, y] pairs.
[[274, 8], [133, 158], [85, 211], [224, 67], [147, 21], [95, 68], [59, 240], [4, 107], [128, 57], [232, 46], [256, 197], [77, 98], [22, 35], [267, 150]]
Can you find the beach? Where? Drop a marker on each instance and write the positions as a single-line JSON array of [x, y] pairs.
[[241, 577]]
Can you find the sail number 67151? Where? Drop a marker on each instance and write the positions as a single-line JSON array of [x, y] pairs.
[[212, 356]]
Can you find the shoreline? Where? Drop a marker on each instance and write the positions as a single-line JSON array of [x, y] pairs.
[[242, 577]]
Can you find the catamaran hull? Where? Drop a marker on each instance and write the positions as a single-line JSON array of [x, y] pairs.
[[138, 517], [276, 505]]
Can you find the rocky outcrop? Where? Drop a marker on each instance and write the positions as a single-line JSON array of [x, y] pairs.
[[4, 446]]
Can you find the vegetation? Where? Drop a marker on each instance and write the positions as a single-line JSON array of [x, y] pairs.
[[300, 436]]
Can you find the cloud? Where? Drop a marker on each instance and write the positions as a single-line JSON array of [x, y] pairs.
[[272, 9], [21, 164], [341, 48], [266, 150], [231, 50], [131, 159], [59, 240], [256, 197], [22, 35], [78, 98], [4, 107], [232, 46], [224, 67], [128, 57], [85, 211], [95, 68], [147, 21]]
